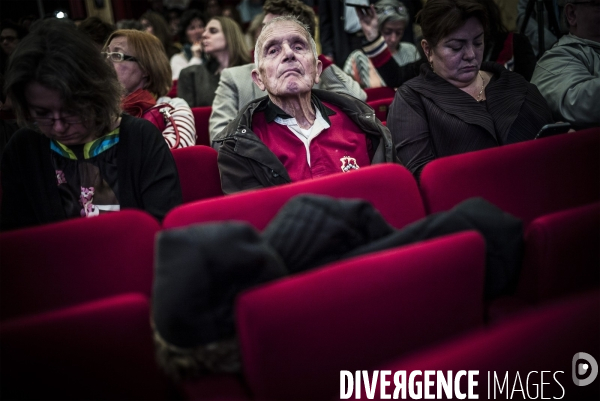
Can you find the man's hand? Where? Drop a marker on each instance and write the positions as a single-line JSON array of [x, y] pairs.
[[368, 22], [197, 49]]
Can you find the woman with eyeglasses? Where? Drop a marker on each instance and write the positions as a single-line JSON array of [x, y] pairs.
[[225, 45], [145, 73], [77, 154]]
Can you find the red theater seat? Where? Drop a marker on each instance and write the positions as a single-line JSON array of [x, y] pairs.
[[198, 172], [74, 261], [201, 117], [389, 187], [383, 92], [173, 90], [543, 340], [296, 334], [381, 107], [528, 179], [98, 350], [562, 254]]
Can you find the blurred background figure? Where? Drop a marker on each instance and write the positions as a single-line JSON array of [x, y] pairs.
[[212, 9], [224, 42], [392, 20], [155, 24], [145, 74], [253, 31], [10, 36], [77, 155], [191, 29], [97, 30]]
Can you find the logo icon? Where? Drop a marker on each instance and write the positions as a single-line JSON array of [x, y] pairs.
[[349, 163], [580, 368]]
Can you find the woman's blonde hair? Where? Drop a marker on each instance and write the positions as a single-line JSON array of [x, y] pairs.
[[236, 44], [151, 58]]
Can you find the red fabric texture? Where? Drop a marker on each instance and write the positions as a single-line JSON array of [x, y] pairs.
[[383, 92], [507, 51], [381, 58], [542, 340], [327, 150], [99, 350], [325, 61], [137, 102], [78, 260], [201, 117], [198, 172], [389, 187], [528, 179], [381, 107], [297, 334], [562, 254], [173, 90]]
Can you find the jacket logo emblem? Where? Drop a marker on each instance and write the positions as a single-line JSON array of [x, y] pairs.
[[349, 163]]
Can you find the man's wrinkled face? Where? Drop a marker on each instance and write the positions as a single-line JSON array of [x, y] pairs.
[[286, 63]]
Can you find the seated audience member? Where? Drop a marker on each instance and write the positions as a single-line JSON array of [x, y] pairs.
[[191, 29], [510, 49], [155, 24], [144, 71], [459, 104], [10, 36], [295, 132], [392, 20], [568, 74], [236, 88], [380, 56], [97, 30], [224, 42], [77, 155]]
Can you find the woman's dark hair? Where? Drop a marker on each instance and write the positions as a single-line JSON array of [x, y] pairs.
[[96, 29], [161, 31], [186, 19], [56, 55], [296, 8], [438, 18], [494, 18]]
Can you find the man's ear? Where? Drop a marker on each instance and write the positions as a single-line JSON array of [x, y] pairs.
[[319, 71], [257, 79], [570, 15], [426, 49]]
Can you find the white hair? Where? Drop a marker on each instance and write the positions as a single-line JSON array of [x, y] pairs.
[[284, 18]]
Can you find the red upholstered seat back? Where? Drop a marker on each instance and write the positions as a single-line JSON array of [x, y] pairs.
[[201, 117], [173, 90], [543, 340], [98, 350], [296, 334], [528, 179], [74, 261], [383, 92], [381, 107], [562, 254], [198, 172], [389, 187]]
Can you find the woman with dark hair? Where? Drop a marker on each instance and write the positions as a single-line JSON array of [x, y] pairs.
[[224, 42], [191, 29], [155, 24], [10, 36], [145, 74], [459, 103], [77, 154]]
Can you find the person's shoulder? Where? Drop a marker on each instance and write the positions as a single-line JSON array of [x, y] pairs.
[[25, 137], [192, 69], [238, 69], [134, 126]]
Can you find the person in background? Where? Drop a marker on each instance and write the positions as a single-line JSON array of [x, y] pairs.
[[76, 154], [568, 74], [97, 30], [392, 20], [296, 132], [191, 30], [458, 103], [253, 31], [224, 42], [155, 24], [510, 49], [236, 88], [145, 74], [339, 30], [10, 36]]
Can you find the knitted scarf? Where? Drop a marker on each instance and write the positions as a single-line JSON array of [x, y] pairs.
[[137, 102]]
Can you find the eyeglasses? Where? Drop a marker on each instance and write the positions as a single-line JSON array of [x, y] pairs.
[[9, 39], [49, 121], [117, 57]]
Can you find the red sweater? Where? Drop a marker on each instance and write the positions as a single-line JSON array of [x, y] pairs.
[[341, 148]]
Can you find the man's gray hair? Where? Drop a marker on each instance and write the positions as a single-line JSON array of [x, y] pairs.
[[283, 18]]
